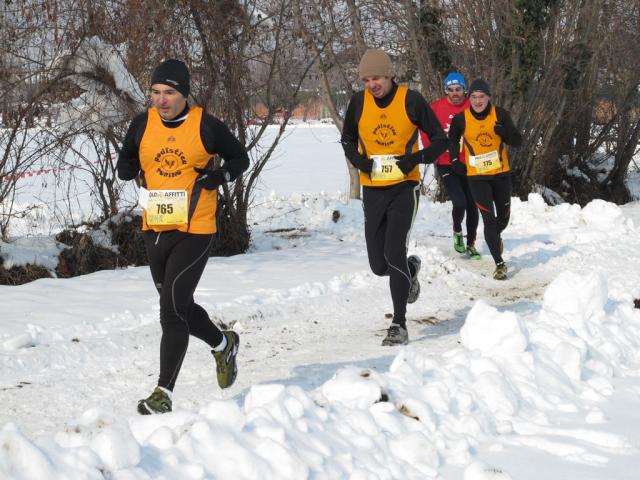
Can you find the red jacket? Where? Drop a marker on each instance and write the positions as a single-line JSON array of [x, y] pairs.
[[445, 112]]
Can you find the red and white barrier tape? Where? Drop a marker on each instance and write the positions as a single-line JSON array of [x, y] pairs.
[[33, 173]]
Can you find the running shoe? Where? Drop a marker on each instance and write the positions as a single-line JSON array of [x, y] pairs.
[[396, 335], [226, 367]]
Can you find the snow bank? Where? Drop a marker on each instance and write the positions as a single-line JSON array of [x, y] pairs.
[[508, 377]]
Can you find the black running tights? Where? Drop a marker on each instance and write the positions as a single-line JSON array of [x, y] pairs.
[[177, 260], [388, 218], [488, 192], [457, 188]]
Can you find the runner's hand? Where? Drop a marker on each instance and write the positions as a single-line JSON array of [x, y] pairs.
[[363, 164], [211, 179], [499, 129], [459, 168], [406, 163]]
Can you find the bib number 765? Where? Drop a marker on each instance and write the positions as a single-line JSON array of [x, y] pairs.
[[167, 207], [164, 208]]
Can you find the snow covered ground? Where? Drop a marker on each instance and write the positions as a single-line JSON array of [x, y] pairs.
[[535, 377]]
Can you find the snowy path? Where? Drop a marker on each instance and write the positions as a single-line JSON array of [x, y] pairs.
[[292, 332], [304, 311]]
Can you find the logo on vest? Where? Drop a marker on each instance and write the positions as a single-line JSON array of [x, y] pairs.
[[171, 138], [484, 139], [170, 160], [384, 134]]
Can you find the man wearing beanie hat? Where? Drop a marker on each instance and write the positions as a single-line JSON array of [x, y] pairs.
[[485, 129], [173, 73], [380, 138], [479, 85], [170, 150], [453, 175]]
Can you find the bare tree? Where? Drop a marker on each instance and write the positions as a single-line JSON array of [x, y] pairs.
[[26, 82], [73, 72], [563, 69], [333, 36]]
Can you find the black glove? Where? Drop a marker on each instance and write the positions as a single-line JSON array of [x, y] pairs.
[[211, 179], [459, 168], [406, 163], [500, 130], [363, 164]]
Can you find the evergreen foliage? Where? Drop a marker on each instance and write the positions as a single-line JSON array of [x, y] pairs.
[[430, 20]]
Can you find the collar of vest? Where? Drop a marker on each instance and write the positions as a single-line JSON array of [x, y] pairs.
[[181, 117], [388, 98]]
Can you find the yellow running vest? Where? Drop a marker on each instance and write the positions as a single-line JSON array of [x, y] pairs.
[[482, 146], [387, 131], [167, 157]]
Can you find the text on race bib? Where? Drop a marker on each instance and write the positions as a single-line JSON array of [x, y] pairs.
[[385, 168], [486, 162], [167, 207]]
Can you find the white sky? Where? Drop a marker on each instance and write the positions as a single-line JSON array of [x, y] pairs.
[[540, 373]]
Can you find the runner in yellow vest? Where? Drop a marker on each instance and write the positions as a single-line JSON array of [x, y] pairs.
[[455, 182], [170, 149], [484, 129], [380, 138]]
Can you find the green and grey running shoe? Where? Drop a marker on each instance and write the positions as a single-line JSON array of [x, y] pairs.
[[396, 335], [158, 402], [458, 242], [414, 288], [501, 272], [226, 367], [473, 253]]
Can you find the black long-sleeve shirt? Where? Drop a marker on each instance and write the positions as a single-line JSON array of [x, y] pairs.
[[418, 111], [458, 124], [216, 138]]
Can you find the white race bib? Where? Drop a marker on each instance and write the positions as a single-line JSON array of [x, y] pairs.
[[385, 168], [166, 207], [486, 162]]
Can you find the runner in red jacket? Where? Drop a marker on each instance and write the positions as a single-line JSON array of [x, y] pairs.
[[453, 176]]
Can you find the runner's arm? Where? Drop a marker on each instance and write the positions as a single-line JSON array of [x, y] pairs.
[[128, 165], [218, 139], [511, 135], [421, 114], [349, 138], [455, 133]]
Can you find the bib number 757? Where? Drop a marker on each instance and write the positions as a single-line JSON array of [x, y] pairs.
[[385, 168]]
